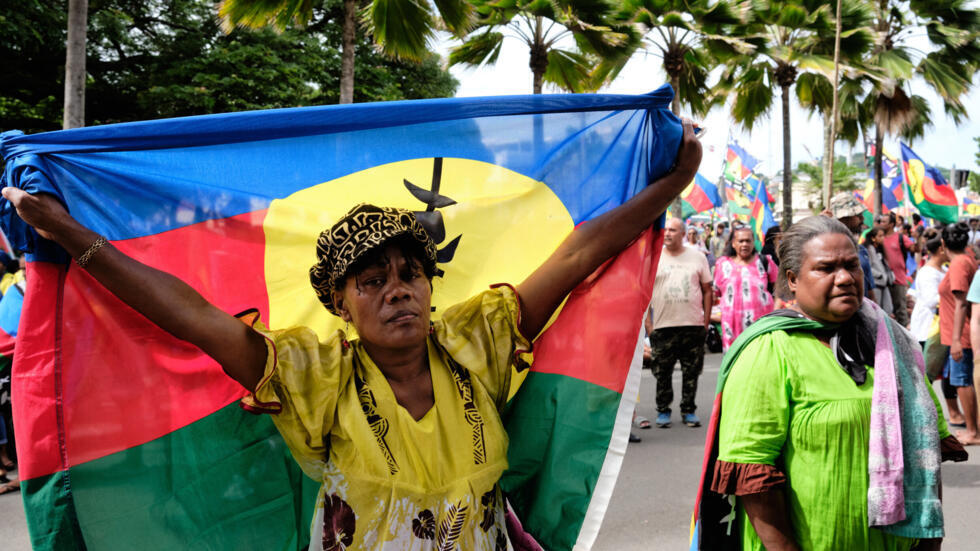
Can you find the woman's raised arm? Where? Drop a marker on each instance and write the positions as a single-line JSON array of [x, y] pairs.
[[162, 298], [601, 238]]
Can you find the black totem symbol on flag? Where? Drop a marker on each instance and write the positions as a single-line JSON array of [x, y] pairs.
[[430, 218]]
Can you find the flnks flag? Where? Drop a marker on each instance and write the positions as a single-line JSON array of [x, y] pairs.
[[762, 218], [928, 189], [136, 438], [892, 190], [700, 196], [739, 164]]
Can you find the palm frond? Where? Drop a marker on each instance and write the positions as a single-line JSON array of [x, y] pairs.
[[895, 63], [279, 14], [948, 83], [458, 15], [814, 92], [403, 29], [483, 48], [570, 71], [793, 16], [753, 95]]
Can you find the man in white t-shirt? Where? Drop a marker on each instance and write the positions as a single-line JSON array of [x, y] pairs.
[[681, 310]]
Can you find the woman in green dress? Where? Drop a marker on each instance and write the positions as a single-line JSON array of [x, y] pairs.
[[828, 436]]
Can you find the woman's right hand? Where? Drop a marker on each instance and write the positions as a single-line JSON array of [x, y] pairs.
[[42, 211]]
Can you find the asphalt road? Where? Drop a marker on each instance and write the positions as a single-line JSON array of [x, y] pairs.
[[651, 506]]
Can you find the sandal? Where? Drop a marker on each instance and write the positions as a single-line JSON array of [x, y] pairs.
[[11, 466], [9, 488], [641, 422]]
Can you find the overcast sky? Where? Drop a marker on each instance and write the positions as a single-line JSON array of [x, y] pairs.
[[945, 145]]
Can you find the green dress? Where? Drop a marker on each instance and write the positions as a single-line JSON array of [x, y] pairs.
[[787, 403]]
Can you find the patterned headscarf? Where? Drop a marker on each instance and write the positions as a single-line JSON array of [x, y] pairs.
[[363, 229]]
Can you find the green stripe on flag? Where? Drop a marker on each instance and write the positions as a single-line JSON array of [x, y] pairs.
[[947, 214], [559, 429], [51, 519], [687, 210], [226, 481]]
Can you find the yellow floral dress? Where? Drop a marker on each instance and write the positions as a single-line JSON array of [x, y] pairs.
[[388, 481]]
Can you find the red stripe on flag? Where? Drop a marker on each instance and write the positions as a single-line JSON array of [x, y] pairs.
[[34, 380], [937, 194], [127, 381], [699, 199], [7, 343], [595, 336]]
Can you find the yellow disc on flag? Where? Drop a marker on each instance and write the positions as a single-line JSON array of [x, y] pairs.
[[506, 224]]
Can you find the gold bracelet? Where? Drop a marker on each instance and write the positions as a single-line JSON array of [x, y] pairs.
[[85, 257]]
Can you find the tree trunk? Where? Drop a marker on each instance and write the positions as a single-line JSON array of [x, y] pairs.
[[787, 163], [538, 81], [348, 35], [879, 139], [539, 55], [829, 178], [676, 206], [74, 115], [828, 158]]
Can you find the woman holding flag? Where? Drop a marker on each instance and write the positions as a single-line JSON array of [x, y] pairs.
[[402, 424]]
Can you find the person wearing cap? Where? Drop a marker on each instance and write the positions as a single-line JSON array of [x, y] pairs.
[[850, 212], [402, 424]]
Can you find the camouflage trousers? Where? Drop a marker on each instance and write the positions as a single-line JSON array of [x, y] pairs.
[[670, 345]]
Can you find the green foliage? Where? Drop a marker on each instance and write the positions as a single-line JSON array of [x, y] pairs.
[[265, 13], [32, 47], [539, 25], [847, 177], [166, 58], [401, 28], [690, 36]]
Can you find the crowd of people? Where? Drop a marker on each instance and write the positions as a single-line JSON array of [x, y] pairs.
[[710, 286], [829, 434]]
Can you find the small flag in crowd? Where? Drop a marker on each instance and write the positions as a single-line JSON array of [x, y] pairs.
[[738, 163], [762, 218], [738, 202], [753, 183], [929, 191], [892, 193], [700, 196], [971, 207]]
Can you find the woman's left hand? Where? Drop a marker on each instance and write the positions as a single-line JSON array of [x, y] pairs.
[[956, 350]]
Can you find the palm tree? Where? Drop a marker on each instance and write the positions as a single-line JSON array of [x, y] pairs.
[[953, 29], [793, 37], [540, 25], [74, 116], [402, 28], [686, 35]]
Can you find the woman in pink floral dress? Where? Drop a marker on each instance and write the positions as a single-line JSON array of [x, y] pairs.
[[742, 282]]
